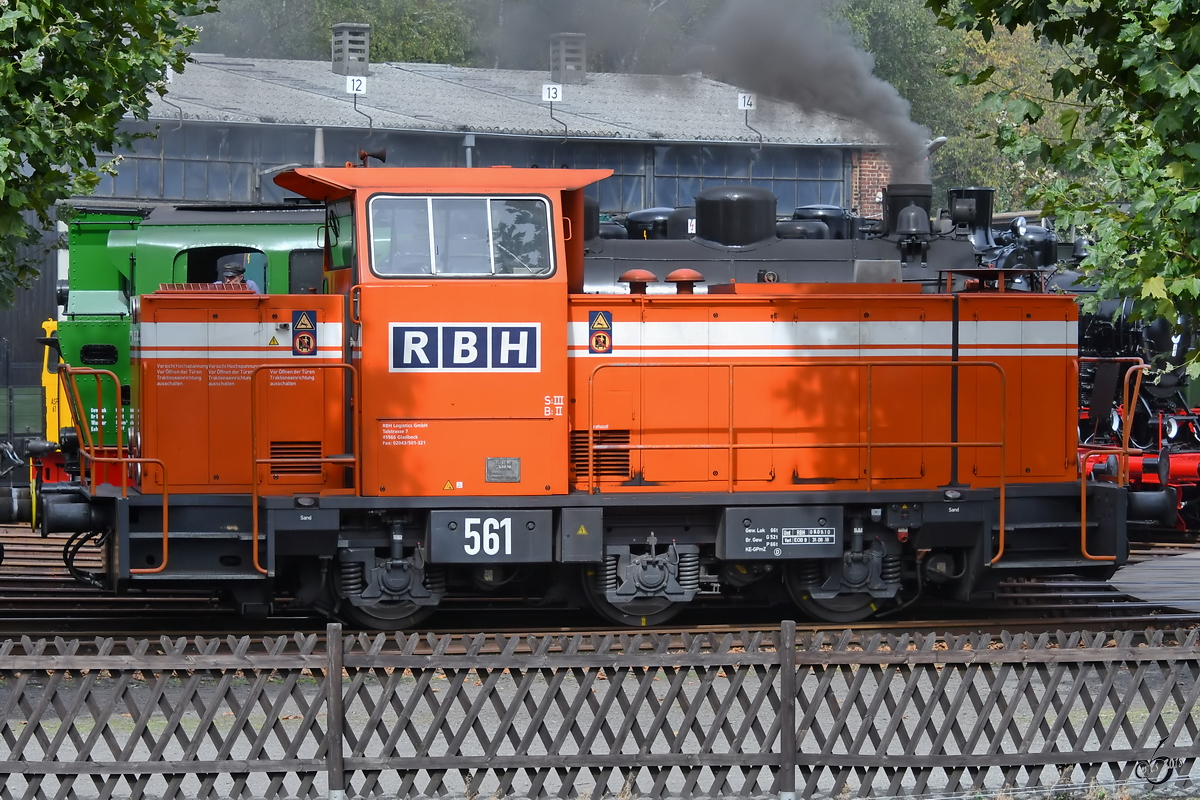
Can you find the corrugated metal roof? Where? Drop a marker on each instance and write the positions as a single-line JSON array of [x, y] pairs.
[[440, 98]]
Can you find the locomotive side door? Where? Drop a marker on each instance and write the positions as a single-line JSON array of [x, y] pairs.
[[462, 301]]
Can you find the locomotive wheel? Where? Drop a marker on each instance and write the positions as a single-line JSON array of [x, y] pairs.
[[638, 614], [387, 617], [843, 608]]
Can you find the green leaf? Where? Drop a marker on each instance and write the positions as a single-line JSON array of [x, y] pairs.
[[1067, 121], [1155, 287], [1176, 169], [1025, 109]]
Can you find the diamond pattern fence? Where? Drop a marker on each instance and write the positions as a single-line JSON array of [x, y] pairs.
[[659, 715]]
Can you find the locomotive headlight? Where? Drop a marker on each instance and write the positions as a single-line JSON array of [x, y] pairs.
[[1172, 428]]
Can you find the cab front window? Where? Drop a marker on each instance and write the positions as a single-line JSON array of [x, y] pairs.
[[460, 236]]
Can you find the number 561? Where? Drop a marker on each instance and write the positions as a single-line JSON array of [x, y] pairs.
[[484, 534]]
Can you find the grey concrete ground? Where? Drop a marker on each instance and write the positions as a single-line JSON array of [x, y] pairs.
[[1174, 581]]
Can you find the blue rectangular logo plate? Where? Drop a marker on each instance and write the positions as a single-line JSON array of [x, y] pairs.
[[465, 347]]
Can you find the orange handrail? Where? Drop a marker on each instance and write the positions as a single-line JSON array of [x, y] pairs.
[[868, 445], [88, 446], [68, 375], [1128, 399], [257, 462], [1137, 371]]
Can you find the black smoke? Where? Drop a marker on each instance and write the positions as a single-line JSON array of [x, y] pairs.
[[796, 51]]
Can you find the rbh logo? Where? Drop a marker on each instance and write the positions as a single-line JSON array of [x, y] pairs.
[[465, 347]]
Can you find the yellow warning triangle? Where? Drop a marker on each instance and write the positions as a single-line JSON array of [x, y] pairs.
[[273, 341], [582, 531], [600, 323], [448, 486], [304, 323]]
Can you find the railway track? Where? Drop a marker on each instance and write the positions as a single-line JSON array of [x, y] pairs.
[[38, 597]]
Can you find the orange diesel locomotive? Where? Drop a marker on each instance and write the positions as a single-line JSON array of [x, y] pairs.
[[488, 401]]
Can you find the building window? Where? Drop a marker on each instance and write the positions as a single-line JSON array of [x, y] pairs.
[[797, 175]]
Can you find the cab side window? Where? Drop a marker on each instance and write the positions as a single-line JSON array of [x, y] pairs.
[[202, 264]]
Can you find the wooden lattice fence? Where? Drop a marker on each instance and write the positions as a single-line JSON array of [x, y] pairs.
[[570, 715]]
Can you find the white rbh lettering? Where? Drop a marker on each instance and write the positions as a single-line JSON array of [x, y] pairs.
[[507, 348], [415, 343], [465, 351]]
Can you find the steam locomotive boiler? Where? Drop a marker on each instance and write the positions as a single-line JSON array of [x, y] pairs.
[[487, 400]]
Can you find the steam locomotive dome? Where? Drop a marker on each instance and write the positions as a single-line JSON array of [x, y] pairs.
[[839, 222], [649, 223], [735, 215]]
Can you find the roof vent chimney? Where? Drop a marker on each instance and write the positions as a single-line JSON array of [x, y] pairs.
[[351, 48], [568, 58]]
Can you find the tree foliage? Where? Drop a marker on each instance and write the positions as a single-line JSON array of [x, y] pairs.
[[1122, 158], [69, 71], [429, 31], [627, 36]]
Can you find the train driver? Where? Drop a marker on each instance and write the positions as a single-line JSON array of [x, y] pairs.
[[235, 272]]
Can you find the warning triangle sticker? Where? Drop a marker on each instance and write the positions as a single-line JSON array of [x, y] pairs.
[[448, 486], [582, 531], [304, 323], [273, 342], [600, 323]]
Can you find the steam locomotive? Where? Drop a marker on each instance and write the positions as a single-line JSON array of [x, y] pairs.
[[481, 397]]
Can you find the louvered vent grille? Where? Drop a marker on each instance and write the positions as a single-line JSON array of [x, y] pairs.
[[296, 450], [606, 462]]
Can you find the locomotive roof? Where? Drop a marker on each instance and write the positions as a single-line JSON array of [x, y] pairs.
[[236, 215], [440, 98], [332, 183]]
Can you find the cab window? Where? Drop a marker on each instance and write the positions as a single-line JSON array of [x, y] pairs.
[[204, 264], [460, 236], [339, 233], [305, 270]]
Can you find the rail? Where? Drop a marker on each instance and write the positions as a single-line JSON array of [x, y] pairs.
[[686, 714], [869, 445], [92, 453], [346, 461]]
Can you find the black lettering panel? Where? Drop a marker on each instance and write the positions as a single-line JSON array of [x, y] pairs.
[[489, 537]]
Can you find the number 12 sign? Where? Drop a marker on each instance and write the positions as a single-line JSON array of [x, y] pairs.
[[356, 84]]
